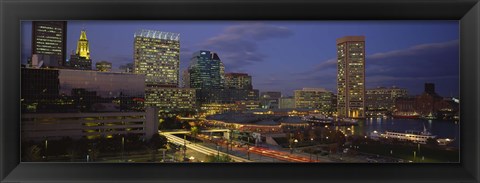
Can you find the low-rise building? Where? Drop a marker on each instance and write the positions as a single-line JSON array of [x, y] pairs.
[[52, 126]]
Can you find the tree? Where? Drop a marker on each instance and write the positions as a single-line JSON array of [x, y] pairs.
[[432, 142], [194, 132], [219, 159], [32, 153], [157, 141]]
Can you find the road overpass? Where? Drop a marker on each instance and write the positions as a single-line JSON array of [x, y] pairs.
[[197, 147]]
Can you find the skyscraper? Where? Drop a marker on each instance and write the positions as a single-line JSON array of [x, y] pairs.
[[49, 38], [351, 76], [81, 59], [157, 55], [206, 70]]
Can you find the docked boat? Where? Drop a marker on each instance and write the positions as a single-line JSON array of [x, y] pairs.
[[420, 137], [317, 119], [406, 115]]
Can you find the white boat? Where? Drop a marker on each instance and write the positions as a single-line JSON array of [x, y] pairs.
[[317, 119], [420, 137]]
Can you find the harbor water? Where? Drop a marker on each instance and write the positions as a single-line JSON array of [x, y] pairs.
[[440, 128]]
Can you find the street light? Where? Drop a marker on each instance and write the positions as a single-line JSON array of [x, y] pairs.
[[46, 149], [123, 147]]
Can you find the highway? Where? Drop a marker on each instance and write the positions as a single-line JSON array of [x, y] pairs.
[[199, 148]]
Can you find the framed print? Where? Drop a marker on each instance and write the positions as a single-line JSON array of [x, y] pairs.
[[239, 91]]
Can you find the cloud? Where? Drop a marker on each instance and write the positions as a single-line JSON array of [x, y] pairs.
[[410, 67], [237, 45]]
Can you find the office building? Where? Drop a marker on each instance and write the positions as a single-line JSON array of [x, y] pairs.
[[186, 79], [54, 126], [351, 76], [81, 59], [270, 99], [286, 103], [64, 90], [238, 81], [314, 98], [225, 96], [49, 39], [205, 70], [381, 100], [103, 66], [170, 100], [157, 56]]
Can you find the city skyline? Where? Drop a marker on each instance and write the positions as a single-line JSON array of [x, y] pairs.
[[254, 47]]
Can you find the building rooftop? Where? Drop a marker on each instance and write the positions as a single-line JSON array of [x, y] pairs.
[[157, 35]]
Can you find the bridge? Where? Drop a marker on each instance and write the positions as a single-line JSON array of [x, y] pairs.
[[226, 132]]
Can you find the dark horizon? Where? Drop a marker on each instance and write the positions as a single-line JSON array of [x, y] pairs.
[[405, 54]]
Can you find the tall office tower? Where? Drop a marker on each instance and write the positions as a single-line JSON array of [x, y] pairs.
[[81, 59], [157, 55], [238, 81], [103, 66], [206, 70], [351, 76], [49, 39]]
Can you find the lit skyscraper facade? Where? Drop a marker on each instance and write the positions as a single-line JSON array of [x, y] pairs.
[[49, 38], [81, 59], [206, 70], [157, 55], [351, 76]]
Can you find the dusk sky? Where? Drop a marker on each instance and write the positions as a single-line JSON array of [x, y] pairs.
[[289, 55]]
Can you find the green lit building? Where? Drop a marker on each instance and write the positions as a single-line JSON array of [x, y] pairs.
[[206, 71]]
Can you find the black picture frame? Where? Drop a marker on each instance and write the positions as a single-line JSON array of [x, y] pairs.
[[12, 12]]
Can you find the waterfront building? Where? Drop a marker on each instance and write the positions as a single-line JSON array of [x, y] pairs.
[[206, 70], [314, 98], [157, 56], [351, 76], [238, 81], [49, 42], [381, 100], [428, 105], [104, 66], [81, 59], [286, 102]]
